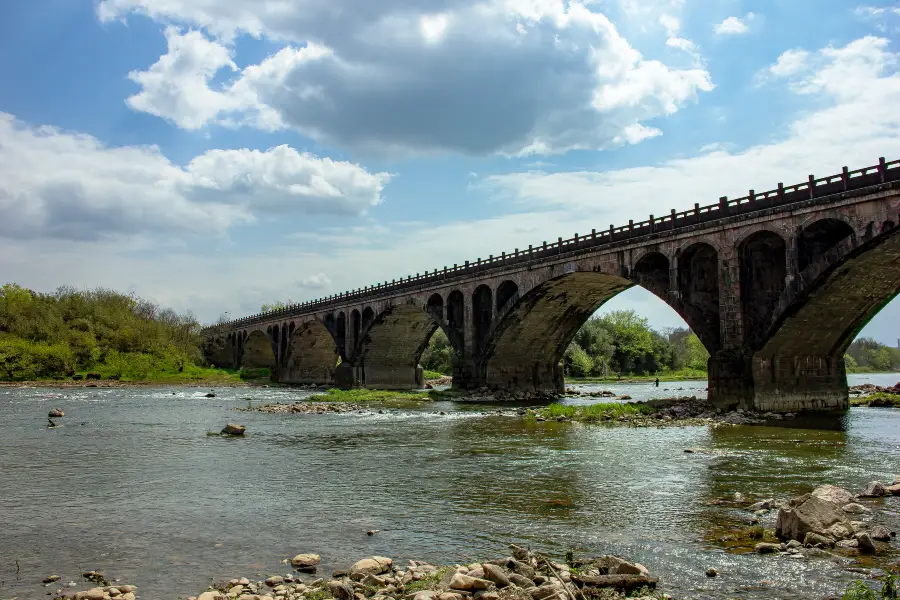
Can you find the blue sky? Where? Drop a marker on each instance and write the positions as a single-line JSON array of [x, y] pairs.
[[216, 154]]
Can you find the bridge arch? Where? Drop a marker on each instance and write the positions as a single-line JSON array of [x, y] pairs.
[[312, 355], [258, 352], [482, 316], [651, 272], [391, 347], [456, 319], [526, 346], [436, 306], [762, 272], [818, 237], [800, 364], [507, 291], [368, 316], [340, 333], [698, 291]]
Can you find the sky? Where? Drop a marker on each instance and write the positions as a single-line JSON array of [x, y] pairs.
[[214, 155]]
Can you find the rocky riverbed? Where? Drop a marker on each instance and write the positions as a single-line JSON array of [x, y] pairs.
[[523, 575], [829, 523]]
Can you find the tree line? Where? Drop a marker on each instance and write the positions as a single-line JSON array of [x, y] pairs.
[[618, 342], [51, 336], [866, 355]]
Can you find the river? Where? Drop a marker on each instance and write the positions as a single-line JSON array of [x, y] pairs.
[[131, 485]]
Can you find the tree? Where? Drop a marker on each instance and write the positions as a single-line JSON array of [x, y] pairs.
[[438, 355]]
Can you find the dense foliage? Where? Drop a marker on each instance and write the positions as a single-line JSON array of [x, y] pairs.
[[50, 336], [618, 342], [866, 355], [621, 342], [438, 355]]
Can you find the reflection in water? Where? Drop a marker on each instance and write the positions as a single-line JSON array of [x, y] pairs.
[[141, 492]]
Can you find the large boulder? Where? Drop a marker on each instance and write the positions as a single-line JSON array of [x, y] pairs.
[[814, 512], [374, 565], [306, 562], [232, 429], [875, 489], [866, 545], [495, 574]]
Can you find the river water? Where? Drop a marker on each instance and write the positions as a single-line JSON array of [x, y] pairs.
[[131, 485]]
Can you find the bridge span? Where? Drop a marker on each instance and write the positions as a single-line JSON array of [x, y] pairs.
[[775, 284]]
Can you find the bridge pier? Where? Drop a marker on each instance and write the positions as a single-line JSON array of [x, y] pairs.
[[348, 376], [778, 384]]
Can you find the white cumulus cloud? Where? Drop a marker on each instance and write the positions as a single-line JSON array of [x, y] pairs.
[[470, 76], [734, 25], [69, 185]]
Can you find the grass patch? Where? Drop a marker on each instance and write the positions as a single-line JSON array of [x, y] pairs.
[[434, 374], [860, 591], [319, 593], [592, 413], [365, 395], [428, 582], [261, 373], [880, 399]]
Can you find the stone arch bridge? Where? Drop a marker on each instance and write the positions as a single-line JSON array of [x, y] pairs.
[[776, 285]]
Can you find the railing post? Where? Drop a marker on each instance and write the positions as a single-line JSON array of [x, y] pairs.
[[467, 264], [611, 230], [812, 186], [845, 178], [575, 239], [545, 246], [559, 245], [517, 253], [530, 249], [673, 218], [780, 192], [593, 235], [752, 195], [503, 258], [697, 211], [651, 223], [882, 169], [723, 204], [630, 227]]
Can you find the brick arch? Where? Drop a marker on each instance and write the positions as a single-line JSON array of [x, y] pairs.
[[823, 309], [652, 272], [390, 349], [525, 347], [312, 354], [817, 236], [258, 351], [762, 270], [697, 282], [748, 232]]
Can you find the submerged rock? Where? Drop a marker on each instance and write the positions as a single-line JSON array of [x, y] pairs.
[[232, 429]]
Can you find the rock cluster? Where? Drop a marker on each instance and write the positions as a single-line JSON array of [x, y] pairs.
[[825, 518], [307, 407], [521, 576], [871, 388], [103, 591]]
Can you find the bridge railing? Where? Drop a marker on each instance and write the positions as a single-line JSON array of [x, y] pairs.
[[812, 188]]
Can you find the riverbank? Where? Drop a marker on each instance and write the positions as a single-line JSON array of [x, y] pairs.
[[523, 575]]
